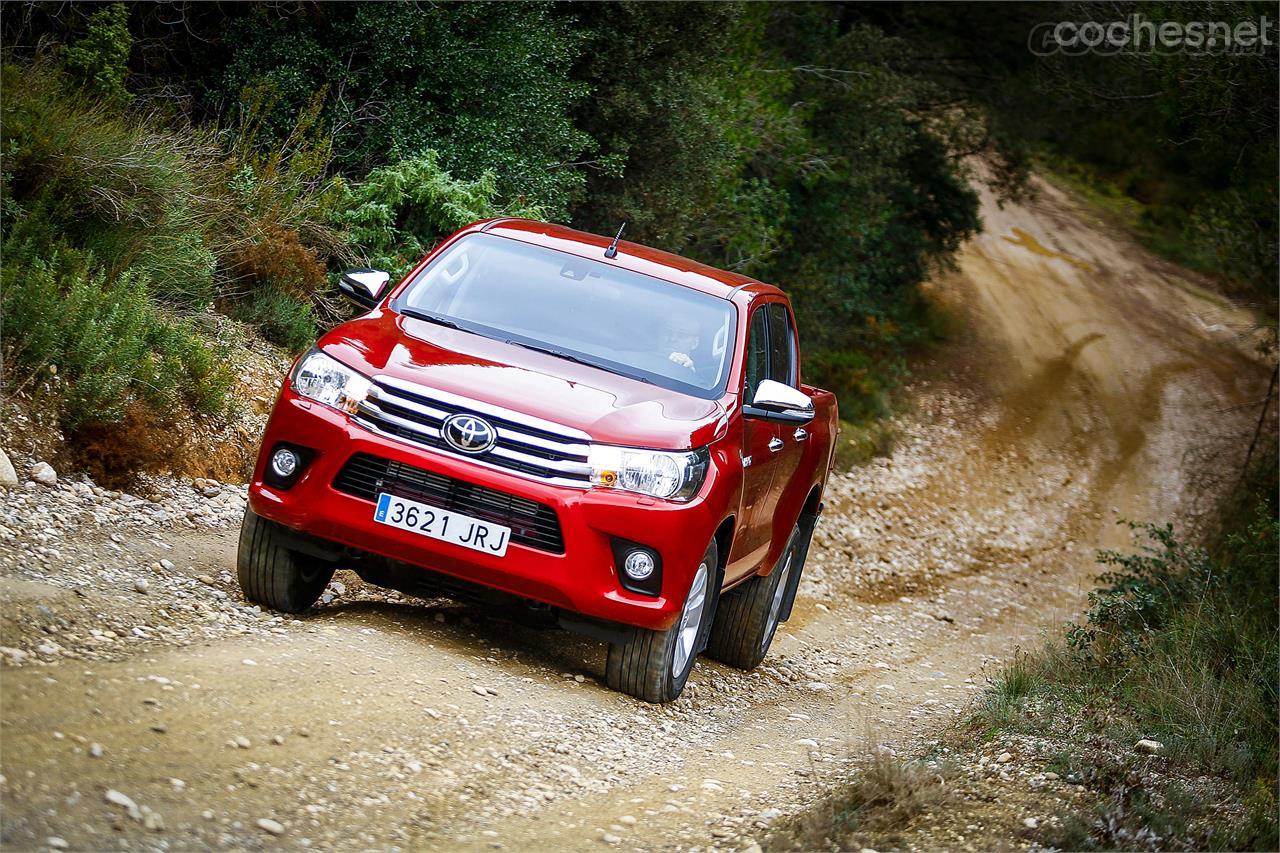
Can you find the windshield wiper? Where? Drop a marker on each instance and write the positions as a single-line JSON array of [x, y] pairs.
[[432, 318], [571, 357], [557, 353]]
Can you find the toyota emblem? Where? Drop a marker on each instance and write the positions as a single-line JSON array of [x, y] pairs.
[[468, 433]]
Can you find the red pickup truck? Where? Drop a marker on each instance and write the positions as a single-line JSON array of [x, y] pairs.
[[615, 436]]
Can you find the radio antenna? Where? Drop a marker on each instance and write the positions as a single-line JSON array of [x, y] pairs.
[[612, 251]]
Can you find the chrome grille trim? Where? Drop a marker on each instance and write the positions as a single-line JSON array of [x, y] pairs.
[[482, 408], [568, 447], [526, 446]]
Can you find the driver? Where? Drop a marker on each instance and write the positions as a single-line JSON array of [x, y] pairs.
[[680, 336]]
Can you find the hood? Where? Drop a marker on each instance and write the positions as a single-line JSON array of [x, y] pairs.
[[610, 408]]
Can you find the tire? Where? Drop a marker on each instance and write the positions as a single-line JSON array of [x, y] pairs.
[[808, 523], [655, 665], [272, 575], [748, 616]]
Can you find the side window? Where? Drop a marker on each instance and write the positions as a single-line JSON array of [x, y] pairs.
[[782, 346], [757, 354]]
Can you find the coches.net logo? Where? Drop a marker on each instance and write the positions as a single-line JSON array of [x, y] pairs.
[[1137, 34]]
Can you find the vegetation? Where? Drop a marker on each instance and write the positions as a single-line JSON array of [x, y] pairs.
[[884, 795], [1183, 144], [237, 157], [1181, 645]]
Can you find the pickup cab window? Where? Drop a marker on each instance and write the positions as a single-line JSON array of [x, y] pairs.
[[782, 345], [580, 309], [757, 353]]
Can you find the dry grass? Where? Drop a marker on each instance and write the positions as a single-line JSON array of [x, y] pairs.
[[884, 795]]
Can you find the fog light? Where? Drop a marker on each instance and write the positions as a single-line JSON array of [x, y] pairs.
[[638, 565], [283, 463]]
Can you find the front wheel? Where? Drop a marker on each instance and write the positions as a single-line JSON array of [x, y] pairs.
[[271, 574], [655, 665]]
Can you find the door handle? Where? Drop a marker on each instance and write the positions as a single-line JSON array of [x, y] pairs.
[[775, 444], [801, 434]]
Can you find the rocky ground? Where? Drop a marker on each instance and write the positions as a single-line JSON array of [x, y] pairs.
[[146, 705]]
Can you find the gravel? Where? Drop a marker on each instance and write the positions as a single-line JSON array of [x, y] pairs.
[[274, 827]]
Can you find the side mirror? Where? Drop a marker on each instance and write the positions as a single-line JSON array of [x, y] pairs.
[[779, 403], [364, 286]]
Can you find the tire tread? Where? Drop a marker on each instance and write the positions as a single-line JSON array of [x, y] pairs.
[[271, 574]]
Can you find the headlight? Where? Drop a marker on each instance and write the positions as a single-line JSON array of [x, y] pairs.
[[325, 380], [661, 473]]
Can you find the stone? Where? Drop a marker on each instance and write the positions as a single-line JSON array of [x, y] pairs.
[[167, 565], [125, 801], [1030, 822], [14, 656], [141, 585], [57, 842], [43, 473], [610, 838], [1004, 758], [274, 827], [8, 476], [95, 750], [1147, 746]]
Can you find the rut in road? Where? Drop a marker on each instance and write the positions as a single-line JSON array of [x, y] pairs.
[[1092, 382]]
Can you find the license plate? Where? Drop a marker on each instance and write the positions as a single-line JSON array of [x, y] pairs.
[[441, 524]]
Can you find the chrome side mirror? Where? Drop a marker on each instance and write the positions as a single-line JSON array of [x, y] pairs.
[[364, 286], [779, 403]]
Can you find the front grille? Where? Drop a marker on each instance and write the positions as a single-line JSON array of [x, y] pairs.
[[528, 446], [533, 524]]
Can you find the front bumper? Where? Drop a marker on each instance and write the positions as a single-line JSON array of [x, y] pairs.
[[582, 579]]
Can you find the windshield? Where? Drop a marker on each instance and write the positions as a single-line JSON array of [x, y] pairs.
[[621, 321]]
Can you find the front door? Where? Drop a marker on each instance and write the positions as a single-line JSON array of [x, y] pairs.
[[760, 443]]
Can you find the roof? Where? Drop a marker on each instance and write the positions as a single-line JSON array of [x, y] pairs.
[[631, 256]]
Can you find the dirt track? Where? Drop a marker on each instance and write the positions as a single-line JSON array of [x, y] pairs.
[[1092, 381]]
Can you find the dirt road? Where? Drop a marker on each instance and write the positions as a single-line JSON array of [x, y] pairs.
[[1091, 382]]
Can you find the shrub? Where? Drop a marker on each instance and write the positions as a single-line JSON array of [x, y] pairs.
[[278, 259], [884, 795], [81, 170], [282, 318], [400, 211], [100, 58], [487, 86], [103, 342], [1181, 644]]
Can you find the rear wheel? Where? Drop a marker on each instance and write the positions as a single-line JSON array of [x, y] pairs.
[[748, 616], [655, 665], [272, 575]]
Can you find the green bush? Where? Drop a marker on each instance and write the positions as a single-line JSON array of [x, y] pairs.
[[1181, 644], [99, 344], [283, 319], [79, 169], [486, 85], [397, 213], [100, 58]]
